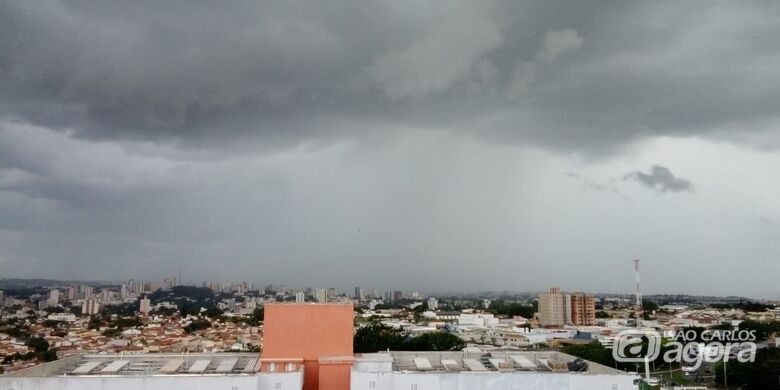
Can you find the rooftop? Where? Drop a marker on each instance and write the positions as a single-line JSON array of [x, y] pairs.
[[248, 363], [148, 364], [494, 361]]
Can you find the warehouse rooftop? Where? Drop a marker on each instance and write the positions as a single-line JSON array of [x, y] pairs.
[[149, 364], [478, 361]]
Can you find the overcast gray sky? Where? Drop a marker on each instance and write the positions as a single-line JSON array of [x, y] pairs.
[[417, 145]]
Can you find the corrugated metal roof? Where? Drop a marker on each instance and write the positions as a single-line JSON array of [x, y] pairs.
[[87, 367], [474, 365], [199, 366], [227, 365], [450, 364], [522, 361], [253, 365], [114, 366], [171, 366], [422, 363]]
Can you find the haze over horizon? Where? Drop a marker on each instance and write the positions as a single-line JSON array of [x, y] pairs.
[[428, 146]]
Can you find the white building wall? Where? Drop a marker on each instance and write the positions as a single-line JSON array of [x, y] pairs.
[[286, 381], [490, 381]]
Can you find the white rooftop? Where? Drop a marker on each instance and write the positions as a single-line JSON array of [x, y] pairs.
[[472, 361], [149, 364]]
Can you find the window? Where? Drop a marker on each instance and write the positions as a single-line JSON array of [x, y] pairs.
[[272, 367], [278, 385], [372, 385], [414, 386]]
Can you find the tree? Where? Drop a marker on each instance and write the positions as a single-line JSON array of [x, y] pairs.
[[38, 344], [94, 323], [511, 309], [763, 329], [649, 306], [46, 356], [51, 323], [434, 341], [376, 337], [258, 315], [197, 325], [594, 352], [213, 312], [761, 374]]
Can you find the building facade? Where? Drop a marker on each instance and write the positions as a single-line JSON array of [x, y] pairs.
[[144, 306], [582, 309], [552, 308], [558, 309]]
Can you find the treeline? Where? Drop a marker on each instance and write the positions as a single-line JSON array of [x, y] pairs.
[[189, 292], [511, 309], [762, 374], [745, 306], [376, 337]]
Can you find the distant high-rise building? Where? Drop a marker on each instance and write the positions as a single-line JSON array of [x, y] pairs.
[[86, 292], [582, 309], [2, 298], [359, 294], [300, 297], [552, 308], [433, 303], [398, 295], [124, 292], [321, 295], [54, 297], [73, 293], [145, 306], [91, 307], [558, 309]]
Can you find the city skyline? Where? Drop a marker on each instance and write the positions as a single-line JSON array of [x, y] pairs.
[[492, 145], [368, 292]]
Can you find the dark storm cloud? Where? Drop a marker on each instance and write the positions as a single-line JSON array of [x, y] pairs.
[[661, 179], [263, 139], [570, 76], [608, 186]]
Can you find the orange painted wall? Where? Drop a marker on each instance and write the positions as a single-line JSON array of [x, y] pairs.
[[310, 331], [335, 376]]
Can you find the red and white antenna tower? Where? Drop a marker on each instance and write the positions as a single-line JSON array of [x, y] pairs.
[[639, 310]]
